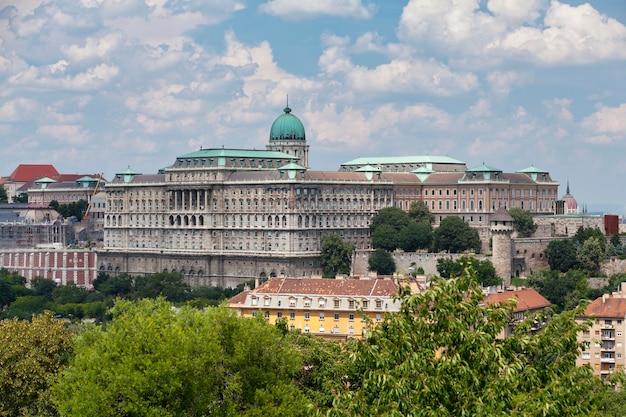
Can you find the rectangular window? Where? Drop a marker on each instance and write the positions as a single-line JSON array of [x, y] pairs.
[[279, 314], [321, 316], [336, 316], [337, 303], [307, 315], [351, 304], [292, 315], [365, 303], [379, 304], [351, 317]]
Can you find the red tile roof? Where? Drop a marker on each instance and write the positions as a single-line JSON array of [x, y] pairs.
[[528, 299], [30, 172], [238, 299], [607, 306], [323, 286]]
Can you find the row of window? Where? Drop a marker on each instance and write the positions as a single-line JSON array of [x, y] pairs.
[[321, 302]]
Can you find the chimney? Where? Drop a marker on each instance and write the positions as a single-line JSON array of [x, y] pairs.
[[604, 298], [256, 283]]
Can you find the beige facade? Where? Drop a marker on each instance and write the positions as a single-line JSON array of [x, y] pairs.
[[331, 308], [235, 206], [605, 342]]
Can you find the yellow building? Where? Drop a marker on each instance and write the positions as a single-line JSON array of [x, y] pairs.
[[605, 341], [331, 308]]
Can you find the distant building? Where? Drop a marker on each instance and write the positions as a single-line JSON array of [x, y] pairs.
[[45, 190], [223, 216], [570, 203], [331, 308], [26, 226], [605, 341], [24, 175], [529, 302]]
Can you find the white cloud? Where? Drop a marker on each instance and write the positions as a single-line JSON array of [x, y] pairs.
[[566, 34], [18, 109], [69, 134], [412, 76], [93, 47], [298, 9], [560, 109], [91, 79], [606, 125], [502, 82]]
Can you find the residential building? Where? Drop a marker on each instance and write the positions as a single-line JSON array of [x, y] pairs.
[[330, 308], [605, 341], [529, 302]]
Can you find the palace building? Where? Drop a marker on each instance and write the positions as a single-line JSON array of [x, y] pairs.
[[222, 216]]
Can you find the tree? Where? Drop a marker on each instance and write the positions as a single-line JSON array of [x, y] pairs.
[[336, 255], [3, 195], [153, 360], [392, 216], [382, 262], [117, 286], [385, 237], [523, 222], [163, 284], [585, 233], [31, 355], [561, 255], [590, 255], [419, 212], [441, 356], [485, 271], [564, 290], [20, 198], [415, 236], [43, 287], [455, 235]]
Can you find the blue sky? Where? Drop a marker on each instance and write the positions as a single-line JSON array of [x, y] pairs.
[[97, 85]]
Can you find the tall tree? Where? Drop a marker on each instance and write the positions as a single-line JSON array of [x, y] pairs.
[[523, 222], [385, 237], [455, 235], [561, 255], [152, 360], [415, 236], [441, 355], [419, 212], [336, 255], [3, 195], [392, 216], [382, 262], [31, 355]]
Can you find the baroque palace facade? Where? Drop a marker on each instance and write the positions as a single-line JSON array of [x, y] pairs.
[[223, 216]]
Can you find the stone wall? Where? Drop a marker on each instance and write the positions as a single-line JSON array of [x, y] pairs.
[[568, 225], [226, 270]]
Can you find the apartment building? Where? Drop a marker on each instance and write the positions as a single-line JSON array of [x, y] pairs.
[[605, 341], [330, 308]]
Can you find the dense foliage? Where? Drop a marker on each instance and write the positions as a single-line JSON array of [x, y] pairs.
[[31, 354], [3, 195], [392, 228], [485, 271], [153, 360], [586, 251], [73, 302], [74, 209], [441, 356], [336, 255], [455, 235], [382, 262], [522, 222]]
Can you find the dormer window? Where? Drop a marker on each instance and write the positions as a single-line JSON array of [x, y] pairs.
[[322, 303], [255, 301]]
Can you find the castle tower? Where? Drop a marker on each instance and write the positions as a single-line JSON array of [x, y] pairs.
[[501, 231], [287, 136]]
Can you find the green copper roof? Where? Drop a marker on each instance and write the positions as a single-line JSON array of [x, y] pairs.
[[291, 165], [87, 178], [417, 159], [484, 168], [128, 171], [44, 180], [532, 170], [237, 153], [287, 127], [368, 168], [422, 170]]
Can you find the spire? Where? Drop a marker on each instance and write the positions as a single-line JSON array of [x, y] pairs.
[[287, 109], [567, 189]]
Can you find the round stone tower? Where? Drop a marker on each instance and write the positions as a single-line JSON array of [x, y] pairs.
[[501, 231], [287, 136]]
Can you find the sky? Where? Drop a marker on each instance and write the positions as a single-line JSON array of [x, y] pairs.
[[99, 85]]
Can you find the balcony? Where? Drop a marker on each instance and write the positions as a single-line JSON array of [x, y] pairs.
[[607, 360]]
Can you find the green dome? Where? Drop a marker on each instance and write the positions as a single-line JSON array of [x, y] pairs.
[[287, 127]]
